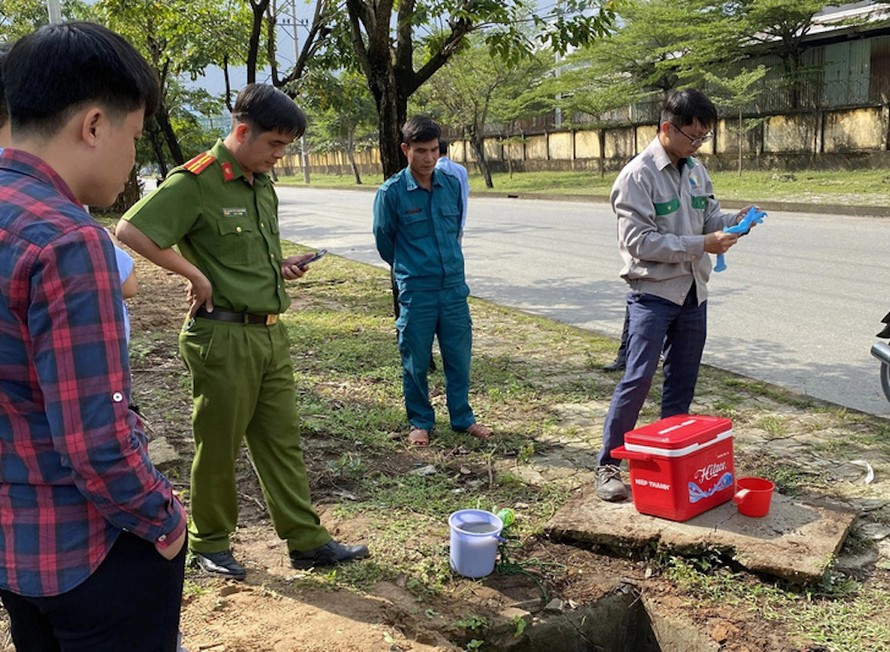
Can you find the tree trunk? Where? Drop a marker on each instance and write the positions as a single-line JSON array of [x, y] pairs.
[[350, 154], [392, 114], [157, 146], [741, 141], [479, 149], [131, 193], [163, 119], [258, 8], [225, 69], [601, 135]]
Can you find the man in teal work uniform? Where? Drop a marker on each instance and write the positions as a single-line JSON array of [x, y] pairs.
[[417, 225], [221, 210]]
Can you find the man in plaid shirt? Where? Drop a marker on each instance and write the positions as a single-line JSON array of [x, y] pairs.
[[91, 536]]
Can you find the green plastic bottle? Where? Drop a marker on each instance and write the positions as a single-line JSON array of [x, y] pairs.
[[507, 516]]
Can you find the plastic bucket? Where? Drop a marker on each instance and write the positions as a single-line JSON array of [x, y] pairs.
[[753, 496], [474, 542]]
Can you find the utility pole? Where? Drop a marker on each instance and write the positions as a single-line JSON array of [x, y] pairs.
[[55, 10], [295, 23]]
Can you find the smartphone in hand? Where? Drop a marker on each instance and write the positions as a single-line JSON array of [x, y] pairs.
[[318, 254]]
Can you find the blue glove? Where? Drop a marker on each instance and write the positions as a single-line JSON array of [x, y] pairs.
[[752, 217]]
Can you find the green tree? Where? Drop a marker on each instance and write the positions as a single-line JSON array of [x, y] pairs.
[[342, 113], [781, 26], [477, 89], [659, 45], [531, 99], [177, 49], [399, 46], [735, 93], [597, 95]]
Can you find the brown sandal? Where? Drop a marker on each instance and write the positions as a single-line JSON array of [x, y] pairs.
[[419, 437], [479, 431]]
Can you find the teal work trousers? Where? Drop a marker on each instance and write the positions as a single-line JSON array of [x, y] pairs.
[[243, 389], [445, 314]]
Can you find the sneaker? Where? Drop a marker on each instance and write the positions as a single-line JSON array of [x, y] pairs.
[[609, 485], [327, 555], [220, 563]]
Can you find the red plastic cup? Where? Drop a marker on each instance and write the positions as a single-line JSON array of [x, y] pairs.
[[753, 496]]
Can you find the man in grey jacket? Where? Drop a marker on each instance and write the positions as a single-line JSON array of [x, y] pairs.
[[668, 221]]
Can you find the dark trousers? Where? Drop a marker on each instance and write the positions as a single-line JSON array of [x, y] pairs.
[[130, 604], [622, 348], [656, 323]]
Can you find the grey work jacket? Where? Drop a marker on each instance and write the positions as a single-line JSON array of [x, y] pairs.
[[663, 216]]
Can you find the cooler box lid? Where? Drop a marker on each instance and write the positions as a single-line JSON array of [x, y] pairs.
[[678, 435]]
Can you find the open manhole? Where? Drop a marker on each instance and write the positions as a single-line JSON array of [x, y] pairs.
[[619, 622]]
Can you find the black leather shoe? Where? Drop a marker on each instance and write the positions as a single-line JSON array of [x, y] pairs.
[[620, 364], [220, 563], [327, 555]]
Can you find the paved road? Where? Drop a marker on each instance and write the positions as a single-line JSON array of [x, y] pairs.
[[798, 306]]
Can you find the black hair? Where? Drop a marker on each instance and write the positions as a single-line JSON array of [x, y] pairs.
[[420, 129], [265, 108], [53, 72], [684, 107], [443, 147]]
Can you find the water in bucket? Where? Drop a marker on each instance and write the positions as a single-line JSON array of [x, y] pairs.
[[475, 535]]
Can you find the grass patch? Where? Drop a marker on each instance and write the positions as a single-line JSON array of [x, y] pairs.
[[840, 613]]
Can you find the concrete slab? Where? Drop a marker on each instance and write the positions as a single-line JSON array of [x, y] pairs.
[[796, 541]]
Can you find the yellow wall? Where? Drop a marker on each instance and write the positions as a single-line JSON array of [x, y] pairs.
[[860, 129], [852, 130], [513, 151], [645, 134], [587, 144], [536, 148], [561, 145], [789, 134], [492, 149], [620, 143]]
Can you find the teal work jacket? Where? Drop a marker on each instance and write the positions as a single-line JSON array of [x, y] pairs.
[[417, 231]]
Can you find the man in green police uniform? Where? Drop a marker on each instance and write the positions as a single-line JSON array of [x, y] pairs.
[[221, 210]]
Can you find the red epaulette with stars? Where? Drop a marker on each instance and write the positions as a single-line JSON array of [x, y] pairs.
[[198, 164]]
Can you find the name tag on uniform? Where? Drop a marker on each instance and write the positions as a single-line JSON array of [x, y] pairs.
[[413, 211], [235, 212]]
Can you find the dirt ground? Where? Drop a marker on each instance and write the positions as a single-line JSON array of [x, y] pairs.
[[278, 609]]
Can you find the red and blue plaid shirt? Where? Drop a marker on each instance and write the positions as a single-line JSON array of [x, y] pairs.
[[74, 471]]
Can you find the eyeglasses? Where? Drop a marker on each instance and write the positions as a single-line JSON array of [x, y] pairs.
[[695, 142]]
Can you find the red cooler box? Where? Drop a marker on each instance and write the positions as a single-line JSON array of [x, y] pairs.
[[680, 466]]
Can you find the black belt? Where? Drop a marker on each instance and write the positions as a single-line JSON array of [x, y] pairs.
[[236, 317]]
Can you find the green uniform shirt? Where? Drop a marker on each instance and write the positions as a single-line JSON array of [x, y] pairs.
[[224, 226]]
